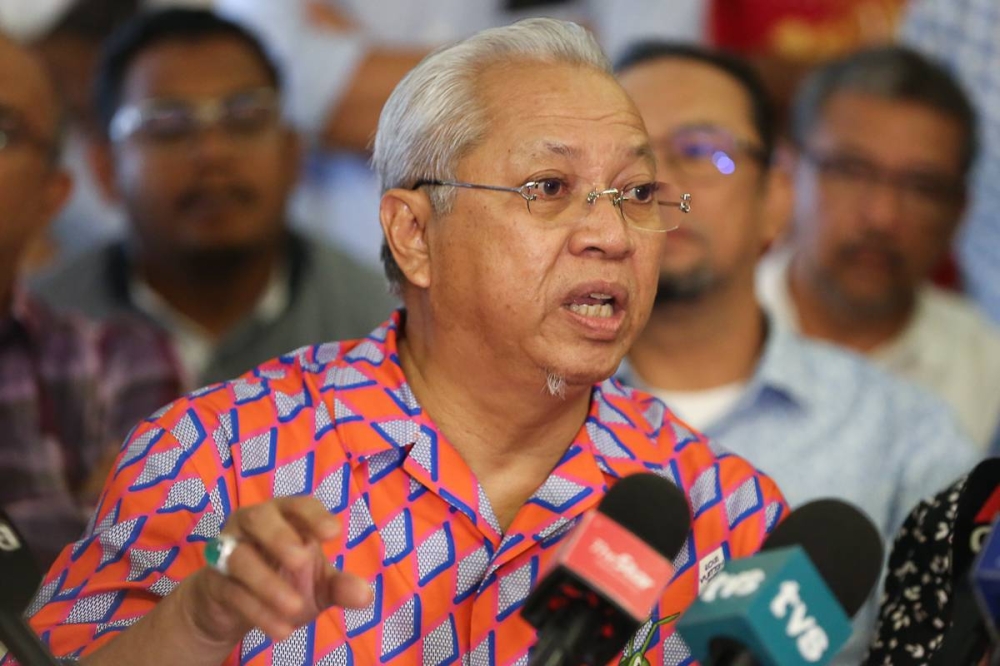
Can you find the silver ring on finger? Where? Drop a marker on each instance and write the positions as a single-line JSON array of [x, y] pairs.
[[219, 550]]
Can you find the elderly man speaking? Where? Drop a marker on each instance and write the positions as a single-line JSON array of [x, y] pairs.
[[394, 499]]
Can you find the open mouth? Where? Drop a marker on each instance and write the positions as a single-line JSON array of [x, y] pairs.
[[595, 304]]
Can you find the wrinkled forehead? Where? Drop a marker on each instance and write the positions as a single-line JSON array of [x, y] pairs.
[[574, 115]]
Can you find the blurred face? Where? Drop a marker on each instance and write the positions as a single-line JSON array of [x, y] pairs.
[[559, 293], [879, 193], [700, 123], [200, 157], [31, 187]]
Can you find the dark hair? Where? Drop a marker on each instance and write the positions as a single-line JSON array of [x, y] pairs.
[[761, 105], [149, 29], [894, 73], [95, 19]]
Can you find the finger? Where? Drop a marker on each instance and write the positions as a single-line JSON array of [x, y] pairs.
[[251, 609], [249, 567], [267, 528], [310, 517], [346, 590]]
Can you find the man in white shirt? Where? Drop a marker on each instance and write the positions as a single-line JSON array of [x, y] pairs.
[[884, 140]]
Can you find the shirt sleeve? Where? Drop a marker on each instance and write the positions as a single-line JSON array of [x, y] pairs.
[[317, 62], [171, 489]]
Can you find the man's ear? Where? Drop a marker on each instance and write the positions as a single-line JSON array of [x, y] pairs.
[[779, 195], [102, 165], [404, 215]]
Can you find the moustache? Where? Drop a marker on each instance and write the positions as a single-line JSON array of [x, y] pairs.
[[200, 196], [883, 247]]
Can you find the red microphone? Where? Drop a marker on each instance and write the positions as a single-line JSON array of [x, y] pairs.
[[609, 574]]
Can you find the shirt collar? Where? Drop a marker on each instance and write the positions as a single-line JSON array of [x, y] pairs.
[[613, 409], [782, 369]]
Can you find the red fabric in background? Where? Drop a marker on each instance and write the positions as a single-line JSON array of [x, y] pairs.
[[801, 29]]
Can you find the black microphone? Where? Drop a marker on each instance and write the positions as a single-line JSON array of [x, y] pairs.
[[844, 548], [19, 579], [967, 638], [609, 574]]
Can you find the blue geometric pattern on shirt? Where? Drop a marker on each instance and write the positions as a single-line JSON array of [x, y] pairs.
[[226, 435], [257, 453], [254, 642], [401, 629], [341, 656], [294, 478], [186, 495], [95, 608], [333, 489], [558, 494], [359, 620], [397, 537], [744, 501], [441, 644], [359, 522], [706, 491], [381, 464], [483, 654], [115, 542], [138, 447], [513, 588], [144, 562], [435, 555], [606, 443], [471, 571], [297, 648], [686, 557], [245, 391]]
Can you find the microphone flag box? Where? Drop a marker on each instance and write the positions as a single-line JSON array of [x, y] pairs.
[[986, 579], [775, 604]]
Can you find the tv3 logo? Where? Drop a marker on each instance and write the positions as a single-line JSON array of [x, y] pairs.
[[810, 638]]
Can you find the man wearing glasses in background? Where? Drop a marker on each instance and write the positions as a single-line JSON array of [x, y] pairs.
[[821, 421], [884, 141], [70, 389], [197, 152]]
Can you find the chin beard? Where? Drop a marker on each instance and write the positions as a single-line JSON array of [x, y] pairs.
[[684, 287], [555, 385]]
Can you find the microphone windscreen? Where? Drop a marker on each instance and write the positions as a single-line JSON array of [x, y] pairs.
[[19, 577], [841, 542], [653, 509], [978, 505]]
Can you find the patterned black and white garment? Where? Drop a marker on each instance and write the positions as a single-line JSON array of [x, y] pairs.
[[916, 600]]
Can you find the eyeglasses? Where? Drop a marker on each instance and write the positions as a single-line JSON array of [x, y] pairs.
[[15, 133], [707, 154], [169, 121], [650, 206], [922, 195]]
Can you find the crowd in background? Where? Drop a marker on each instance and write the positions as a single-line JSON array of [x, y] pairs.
[[175, 211]]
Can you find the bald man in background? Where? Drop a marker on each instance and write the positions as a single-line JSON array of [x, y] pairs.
[[69, 388]]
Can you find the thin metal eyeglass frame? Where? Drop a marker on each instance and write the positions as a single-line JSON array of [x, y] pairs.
[[614, 194]]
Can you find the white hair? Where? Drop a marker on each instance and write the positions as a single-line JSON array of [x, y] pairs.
[[435, 114]]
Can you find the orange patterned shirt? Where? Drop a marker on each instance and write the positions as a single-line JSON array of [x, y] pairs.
[[338, 421]]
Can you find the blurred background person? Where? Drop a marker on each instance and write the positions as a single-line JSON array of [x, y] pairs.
[[962, 35], [70, 389], [883, 143], [196, 151], [343, 57], [821, 421]]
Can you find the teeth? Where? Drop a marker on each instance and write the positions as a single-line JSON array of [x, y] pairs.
[[601, 297], [602, 311]]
